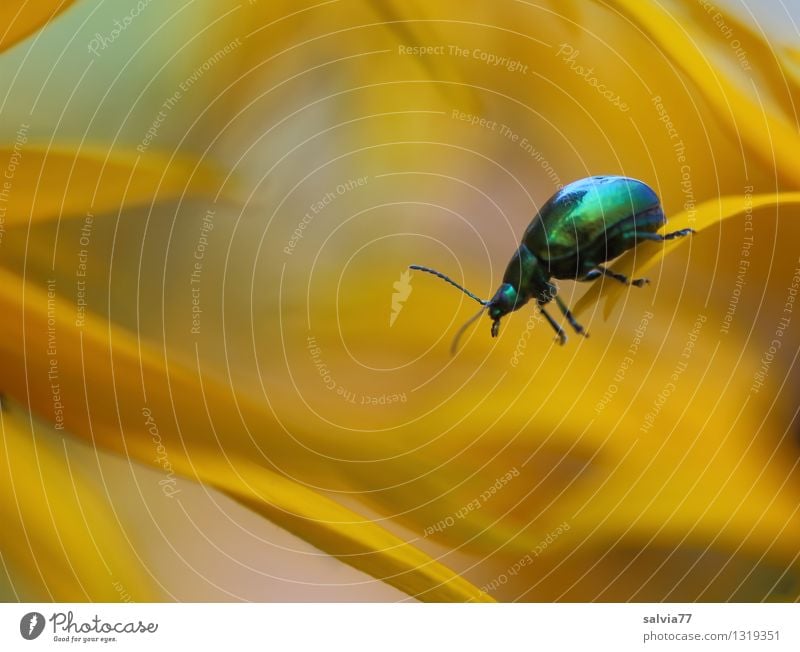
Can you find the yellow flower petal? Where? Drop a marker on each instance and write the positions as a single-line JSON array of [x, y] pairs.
[[336, 530], [792, 59], [646, 255], [103, 367], [45, 184], [60, 540], [477, 417], [20, 18], [411, 24], [768, 134]]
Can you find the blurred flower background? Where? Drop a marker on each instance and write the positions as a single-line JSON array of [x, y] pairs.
[[218, 383]]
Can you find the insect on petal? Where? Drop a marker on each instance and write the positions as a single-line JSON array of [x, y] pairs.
[[647, 254]]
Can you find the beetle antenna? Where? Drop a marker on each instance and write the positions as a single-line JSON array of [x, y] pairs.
[[450, 281], [463, 329]]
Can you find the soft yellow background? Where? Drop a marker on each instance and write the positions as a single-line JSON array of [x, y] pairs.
[[703, 506]]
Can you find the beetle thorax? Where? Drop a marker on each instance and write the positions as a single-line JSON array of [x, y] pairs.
[[525, 279]]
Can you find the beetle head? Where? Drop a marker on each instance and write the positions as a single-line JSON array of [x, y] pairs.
[[504, 301]]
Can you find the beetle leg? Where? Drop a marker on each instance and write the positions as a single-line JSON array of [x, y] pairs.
[[592, 275], [604, 271], [562, 336], [678, 234], [570, 318], [646, 235]]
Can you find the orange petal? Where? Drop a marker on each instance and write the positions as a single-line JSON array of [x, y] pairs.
[[60, 539], [768, 134], [100, 374], [21, 18], [647, 254], [44, 184]]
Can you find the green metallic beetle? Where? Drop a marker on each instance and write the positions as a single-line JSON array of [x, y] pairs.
[[586, 223]]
